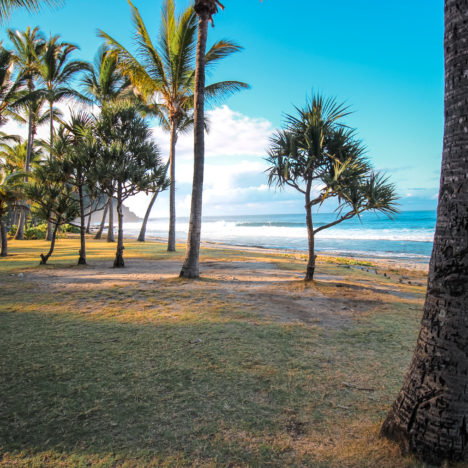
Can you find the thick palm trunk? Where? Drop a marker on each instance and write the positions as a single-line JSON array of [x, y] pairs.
[[19, 235], [191, 268], [46, 257], [430, 415], [142, 235], [119, 261], [4, 239], [103, 222], [110, 230], [82, 252], [310, 236], [171, 240]]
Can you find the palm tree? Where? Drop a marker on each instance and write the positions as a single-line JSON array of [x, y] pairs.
[[430, 414], [205, 9], [56, 71], [9, 88], [164, 75], [7, 6], [27, 46]]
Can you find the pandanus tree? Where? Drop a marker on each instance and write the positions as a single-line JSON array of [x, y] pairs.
[[430, 415], [126, 160], [104, 83], [164, 76], [322, 159], [53, 200]]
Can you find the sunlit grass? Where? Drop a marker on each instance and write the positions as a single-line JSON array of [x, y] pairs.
[[171, 372]]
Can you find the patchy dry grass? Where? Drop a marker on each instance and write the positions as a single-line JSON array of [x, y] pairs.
[[168, 372]]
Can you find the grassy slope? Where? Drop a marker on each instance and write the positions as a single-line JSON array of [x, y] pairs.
[[161, 375]]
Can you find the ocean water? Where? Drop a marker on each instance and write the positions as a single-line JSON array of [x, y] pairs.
[[408, 236]]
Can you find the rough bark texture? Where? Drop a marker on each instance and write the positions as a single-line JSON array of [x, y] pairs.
[[142, 235], [119, 261], [171, 240], [82, 252], [46, 257], [191, 268], [4, 239], [110, 230], [430, 415], [310, 236], [103, 222]]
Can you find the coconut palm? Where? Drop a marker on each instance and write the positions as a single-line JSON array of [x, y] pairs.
[[56, 71], [164, 76], [430, 414], [205, 9], [10, 86], [8, 6]]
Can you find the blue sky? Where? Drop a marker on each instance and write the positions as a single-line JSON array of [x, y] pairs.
[[385, 59]]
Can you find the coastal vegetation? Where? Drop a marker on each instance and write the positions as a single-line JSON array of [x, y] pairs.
[[255, 369]]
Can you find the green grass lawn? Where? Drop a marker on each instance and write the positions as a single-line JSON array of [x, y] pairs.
[[164, 375]]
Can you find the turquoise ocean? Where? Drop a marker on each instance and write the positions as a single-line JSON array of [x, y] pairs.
[[407, 236]]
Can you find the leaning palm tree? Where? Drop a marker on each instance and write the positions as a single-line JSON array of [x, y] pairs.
[[429, 417], [164, 76]]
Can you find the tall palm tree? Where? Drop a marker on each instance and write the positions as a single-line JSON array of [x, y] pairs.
[[56, 71], [7, 6], [205, 9], [164, 76], [10, 85], [27, 46], [429, 417]]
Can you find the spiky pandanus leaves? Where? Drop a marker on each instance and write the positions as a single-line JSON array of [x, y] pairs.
[[318, 155], [127, 160]]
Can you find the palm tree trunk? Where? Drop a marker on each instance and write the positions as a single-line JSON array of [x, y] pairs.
[[110, 230], [191, 267], [119, 261], [4, 239], [310, 235], [82, 253], [430, 415], [103, 222], [51, 141], [25, 210], [171, 240], [141, 237], [46, 257]]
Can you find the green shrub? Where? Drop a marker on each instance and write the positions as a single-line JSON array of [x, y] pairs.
[[12, 230], [70, 228], [36, 232]]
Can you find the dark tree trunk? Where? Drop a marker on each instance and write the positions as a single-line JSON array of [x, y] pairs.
[[310, 271], [103, 222], [141, 237], [110, 229], [191, 267], [82, 252], [171, 245], [19, 235], [51, 141], [46, 257], [430, 415], [119, 261], [4, 238]]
